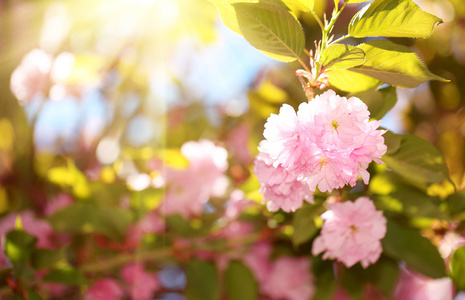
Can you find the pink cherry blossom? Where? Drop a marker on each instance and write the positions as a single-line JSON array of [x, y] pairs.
[[279, 187], [351, 233], [189, 189], [328, 143], [289, 279], [104, 289], [413, 286], [30, 77], [150, 223], [258, 260], [142, 285]]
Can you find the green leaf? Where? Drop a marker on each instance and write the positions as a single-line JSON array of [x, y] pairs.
[[303, 5], [379, 101], [392, 18], [417, 161], [457, 268], [239, 282], [392, 141], [325, 279], [350, 81], [340, 56], [87, 217], [394, 64], [356, 1], [304, 224], [271, 28], [456, 203], [412, 203], [67, 276], [18, 245], [202, 281], [419, 253], [45, 258]]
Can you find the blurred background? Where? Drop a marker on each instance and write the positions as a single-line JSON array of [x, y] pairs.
[[95, 93]]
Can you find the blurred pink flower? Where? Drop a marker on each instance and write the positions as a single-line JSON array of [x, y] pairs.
[[413, 286], [150, 223], [104, 289], [258, 260], [62, 200], [142, 285], [351, 233], [289, 279], [238, 140], [328, 143], [279, 187], [191, 188], [30, 77]]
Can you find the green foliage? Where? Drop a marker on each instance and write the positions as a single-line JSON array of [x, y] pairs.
[[408, 245], [89, 217], [239, 282], [303, 5], [457, 268], [392, 18], [19, 245], [202, 281], [45, 258], [394, 64], [383, 275], [379, 101], [418, 161], [392, 141], [341, 57], [325, 279], [350, 81], [304, 223], [69, 276], [267, 25]]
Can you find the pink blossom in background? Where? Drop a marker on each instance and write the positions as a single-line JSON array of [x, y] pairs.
[[189, 189], [30, 77], [104, 289], [351, 233], [237, 141], [279, 187], [236, 204], [142, 285], [62, 200], [258, 260], [413, 286], [328, 143], [150, 223], [289, 279]]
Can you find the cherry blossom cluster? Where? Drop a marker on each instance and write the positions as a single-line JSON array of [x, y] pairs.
[[328, 143]]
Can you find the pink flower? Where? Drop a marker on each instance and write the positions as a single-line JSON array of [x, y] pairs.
[[61, 201], [30, 77], [104, 289], [328, 143], [279, 187], [150, 223], [237, 141], [142, 284], [413, 286], [258, 260], [289, 279], [351, 233], [191, 188]]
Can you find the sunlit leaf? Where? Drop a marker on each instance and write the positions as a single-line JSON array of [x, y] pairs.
[[271, 28], [239, 282], [45, 258], [303, 5], [394, 64], [418, 161], [340, 56], [419, 253], [392, 18], [18, 245], [356, 1], [350, 81], [457, 268]]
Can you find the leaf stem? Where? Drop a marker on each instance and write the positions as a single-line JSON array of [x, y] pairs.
[[318, 20], [340, 39]]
